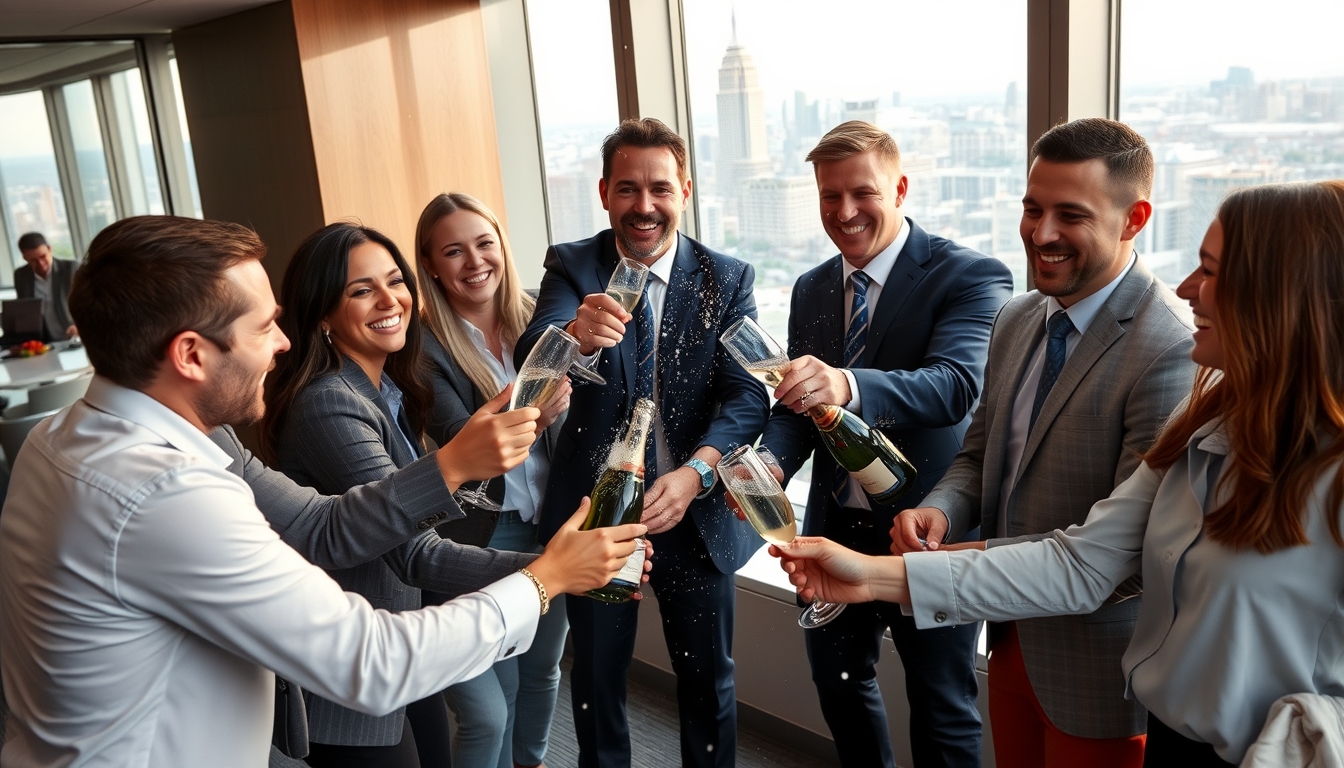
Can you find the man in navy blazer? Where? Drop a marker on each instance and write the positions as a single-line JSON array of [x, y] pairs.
[[707, 405], [895, 329]]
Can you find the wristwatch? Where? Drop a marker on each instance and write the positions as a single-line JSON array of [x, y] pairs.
[[707, 477]]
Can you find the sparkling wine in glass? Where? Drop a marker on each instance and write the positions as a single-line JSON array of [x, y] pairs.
[[626, 286], [745, 474], [539, 378]]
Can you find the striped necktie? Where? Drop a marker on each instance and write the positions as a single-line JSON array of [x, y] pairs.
[[856, 339], [646, 368]]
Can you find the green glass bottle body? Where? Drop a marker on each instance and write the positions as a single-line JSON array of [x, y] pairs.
[[865, 453], [618, 499]]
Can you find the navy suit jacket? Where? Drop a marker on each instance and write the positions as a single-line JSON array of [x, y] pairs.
[[922, 370], [705, 397]]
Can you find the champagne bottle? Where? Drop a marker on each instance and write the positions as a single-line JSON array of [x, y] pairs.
[[618, 499], [865, 453]]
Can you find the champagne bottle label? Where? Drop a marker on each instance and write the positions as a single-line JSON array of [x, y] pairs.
[[633, 570], [875, 478]]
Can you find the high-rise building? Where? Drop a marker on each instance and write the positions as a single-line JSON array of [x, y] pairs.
[[781, 212], [742, 152]]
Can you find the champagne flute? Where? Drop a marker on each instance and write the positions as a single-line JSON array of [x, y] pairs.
[[626, 286], [757, 351], [543, 370], [746, 476]]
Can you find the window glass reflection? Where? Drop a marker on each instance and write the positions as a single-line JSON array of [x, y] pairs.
[[29, 180]]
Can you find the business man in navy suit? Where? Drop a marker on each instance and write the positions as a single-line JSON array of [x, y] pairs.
[[667, 349], [895, 329]]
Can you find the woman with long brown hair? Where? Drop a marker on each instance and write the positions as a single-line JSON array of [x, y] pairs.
[[475, 310], [1234, 516]]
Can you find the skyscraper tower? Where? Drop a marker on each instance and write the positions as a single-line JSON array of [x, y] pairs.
[[741, 153]]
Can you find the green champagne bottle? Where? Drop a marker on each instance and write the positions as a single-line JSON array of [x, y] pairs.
[[618, 499], [865, 453]]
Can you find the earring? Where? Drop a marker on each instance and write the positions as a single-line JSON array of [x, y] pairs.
[[326, 334]]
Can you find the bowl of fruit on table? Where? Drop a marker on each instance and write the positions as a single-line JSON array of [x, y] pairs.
[[31, 348]]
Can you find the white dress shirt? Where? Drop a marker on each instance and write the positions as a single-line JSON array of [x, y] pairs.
[[878, 271], [524, 483], [1081, 314], [143, 599], [1221, 633]]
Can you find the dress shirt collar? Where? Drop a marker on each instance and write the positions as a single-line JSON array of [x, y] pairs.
[[879, 269], [1085, 310], [662, 268], [502, 371], [139, 408], [1211, 438]]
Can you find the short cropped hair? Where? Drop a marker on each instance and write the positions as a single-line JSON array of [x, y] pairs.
[[854, 138], [32, 240], [147, 279], [1129, 161], [644, 134]]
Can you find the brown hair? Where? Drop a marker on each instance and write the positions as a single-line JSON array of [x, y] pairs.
[[513, 306], [645, 133], [312, 289], [148, 278], [1129, 161], [854, 138], [1281, 392]]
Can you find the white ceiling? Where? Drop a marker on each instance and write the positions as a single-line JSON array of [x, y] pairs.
[[76, 18]]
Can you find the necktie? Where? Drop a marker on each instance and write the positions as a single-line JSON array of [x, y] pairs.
[[1056, 349], [856, 338], [646, 368]]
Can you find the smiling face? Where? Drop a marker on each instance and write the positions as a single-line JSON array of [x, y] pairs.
[[466, 260], [369, 323], [861, 198], [644, 198], [234, 391], [1200, 288], [1077, 234]]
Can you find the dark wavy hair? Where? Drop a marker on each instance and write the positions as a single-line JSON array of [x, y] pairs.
[[312, 289]]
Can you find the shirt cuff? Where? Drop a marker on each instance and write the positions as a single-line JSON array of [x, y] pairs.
[[519, 608], [855, 404], [928, 577]]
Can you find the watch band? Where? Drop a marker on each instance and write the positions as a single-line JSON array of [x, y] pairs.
[[708, 479]]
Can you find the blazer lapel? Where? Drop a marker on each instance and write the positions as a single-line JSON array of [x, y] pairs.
[[1105, 329], [1022, 340], [680, 305], [624, 352], [831, 316], [906, 273], [396, 443]]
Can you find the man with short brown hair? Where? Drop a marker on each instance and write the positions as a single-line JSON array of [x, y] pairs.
[[48, 279]]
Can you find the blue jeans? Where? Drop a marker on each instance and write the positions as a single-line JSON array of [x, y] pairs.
[[504, 715]]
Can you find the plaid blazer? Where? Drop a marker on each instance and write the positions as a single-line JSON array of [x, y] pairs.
[[1128, 373]]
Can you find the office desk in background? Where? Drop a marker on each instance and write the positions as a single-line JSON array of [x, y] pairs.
[[64, 360]]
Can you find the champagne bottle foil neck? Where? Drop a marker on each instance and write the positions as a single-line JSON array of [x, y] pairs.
[[826, 417]]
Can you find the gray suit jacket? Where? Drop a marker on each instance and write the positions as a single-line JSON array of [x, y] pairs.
[[62, 274], [1128, 372], [338, 435]]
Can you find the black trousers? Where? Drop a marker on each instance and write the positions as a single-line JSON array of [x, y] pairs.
[[696, 603], [1168, 749], [940, 684]]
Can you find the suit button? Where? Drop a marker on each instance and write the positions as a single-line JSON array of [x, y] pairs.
[[423, 525], [940, 617]]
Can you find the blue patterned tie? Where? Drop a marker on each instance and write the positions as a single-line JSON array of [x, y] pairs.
[[1056, 350], [645, 371], [856, 338]]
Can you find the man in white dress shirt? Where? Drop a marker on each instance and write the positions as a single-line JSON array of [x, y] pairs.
[[143, 597]]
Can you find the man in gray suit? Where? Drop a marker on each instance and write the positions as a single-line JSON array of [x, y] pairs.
[[1082, 373], [48, 279]]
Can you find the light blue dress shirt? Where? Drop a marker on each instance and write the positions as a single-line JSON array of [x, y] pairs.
[[1221, 633]]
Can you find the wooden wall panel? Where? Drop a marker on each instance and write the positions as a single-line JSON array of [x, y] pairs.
[[398, 98]]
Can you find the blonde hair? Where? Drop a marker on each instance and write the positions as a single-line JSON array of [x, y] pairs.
[[854, 138], [513, 307]]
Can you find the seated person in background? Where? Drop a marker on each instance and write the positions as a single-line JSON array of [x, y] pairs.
[[1233, 518], [475, 310], [48, 279], [143, 597]]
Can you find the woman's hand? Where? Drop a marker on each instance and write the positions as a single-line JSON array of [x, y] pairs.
[[821, 568], [576, 561], [490, 443], [558, 404]]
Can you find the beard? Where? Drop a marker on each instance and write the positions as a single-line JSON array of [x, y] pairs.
[[234, 397], [637, 251]]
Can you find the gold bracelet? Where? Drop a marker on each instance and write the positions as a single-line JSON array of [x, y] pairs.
[[541, 590]]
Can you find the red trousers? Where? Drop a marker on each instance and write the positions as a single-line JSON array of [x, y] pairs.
[[1025, 738]]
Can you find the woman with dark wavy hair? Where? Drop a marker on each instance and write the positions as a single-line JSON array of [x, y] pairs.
[[348, 405], [1234, 516]]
